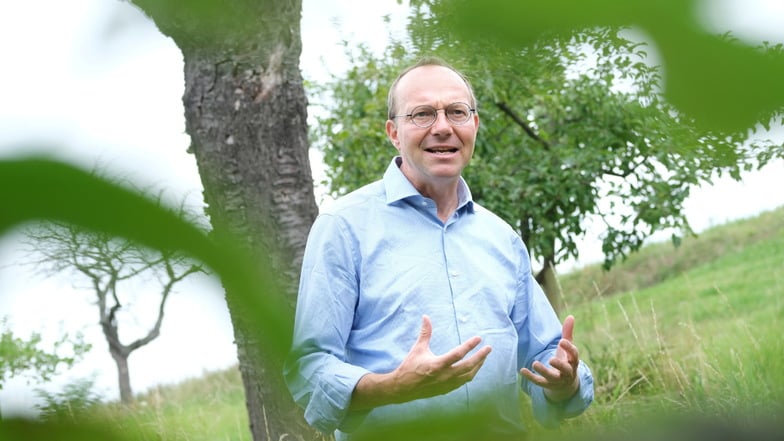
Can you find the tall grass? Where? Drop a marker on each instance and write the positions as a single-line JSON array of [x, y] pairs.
[[691, 330], [209, 408], [699, 335]]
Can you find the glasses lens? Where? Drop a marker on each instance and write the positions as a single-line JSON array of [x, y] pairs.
[[423, 116], [458, 113]]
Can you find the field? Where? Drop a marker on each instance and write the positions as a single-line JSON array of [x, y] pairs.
[[687, 331]]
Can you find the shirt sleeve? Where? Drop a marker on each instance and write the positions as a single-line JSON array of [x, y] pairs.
[[539, 332], [317, 372]]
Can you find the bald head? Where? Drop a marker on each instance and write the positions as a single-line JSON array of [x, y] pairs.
[[393, 99]]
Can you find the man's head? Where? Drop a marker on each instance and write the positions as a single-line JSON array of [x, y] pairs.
[[434, 150]]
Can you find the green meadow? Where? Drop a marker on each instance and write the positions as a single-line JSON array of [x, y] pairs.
[[671, 332]]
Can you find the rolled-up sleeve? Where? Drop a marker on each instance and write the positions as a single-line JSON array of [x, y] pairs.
[[317, 372], [326, 395]]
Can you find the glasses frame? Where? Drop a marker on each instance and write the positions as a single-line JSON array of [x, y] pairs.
[[435, 110]]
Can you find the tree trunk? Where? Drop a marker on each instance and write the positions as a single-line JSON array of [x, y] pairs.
[[246, 113], [123, 376], [548, 279], [248, 132]]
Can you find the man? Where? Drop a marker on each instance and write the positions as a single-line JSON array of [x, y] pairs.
[[417, 303]]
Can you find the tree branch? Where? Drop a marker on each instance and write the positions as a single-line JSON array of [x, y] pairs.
[[629, 171], [519, 121], [167, 288]]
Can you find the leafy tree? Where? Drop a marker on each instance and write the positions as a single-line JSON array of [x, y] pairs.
[[19, 355], [111, 265], [572, 127]]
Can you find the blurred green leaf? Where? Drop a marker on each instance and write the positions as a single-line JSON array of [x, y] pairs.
[[722, 83], [40, 189], [28, 430]]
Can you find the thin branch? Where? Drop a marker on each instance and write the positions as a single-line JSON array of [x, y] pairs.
[[519, 121], [629, 171], [167, 289]]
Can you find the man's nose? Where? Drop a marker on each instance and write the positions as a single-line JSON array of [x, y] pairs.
[[441, 123]]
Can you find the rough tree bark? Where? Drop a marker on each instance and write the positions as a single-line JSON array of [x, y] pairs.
[[246, 113]]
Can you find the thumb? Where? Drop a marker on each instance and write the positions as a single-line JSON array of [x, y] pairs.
[[568, 328], [425, 332]]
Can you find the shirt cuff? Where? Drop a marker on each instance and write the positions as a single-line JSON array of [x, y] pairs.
[[328, 408]]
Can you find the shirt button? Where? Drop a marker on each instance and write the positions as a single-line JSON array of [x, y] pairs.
[[453, 274]]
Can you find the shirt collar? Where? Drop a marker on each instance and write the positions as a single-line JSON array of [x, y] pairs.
[[398, 187]]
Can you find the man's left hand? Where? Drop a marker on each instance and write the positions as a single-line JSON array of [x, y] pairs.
[[560, 380]]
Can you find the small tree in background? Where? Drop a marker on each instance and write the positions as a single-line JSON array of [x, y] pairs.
[[114, 269]]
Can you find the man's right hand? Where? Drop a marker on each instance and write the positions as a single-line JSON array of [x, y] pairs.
[[422, 374]]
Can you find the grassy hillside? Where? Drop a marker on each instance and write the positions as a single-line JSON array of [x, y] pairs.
[[689, 330]]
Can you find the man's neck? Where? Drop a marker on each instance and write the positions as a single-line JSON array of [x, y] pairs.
[[444, 195]]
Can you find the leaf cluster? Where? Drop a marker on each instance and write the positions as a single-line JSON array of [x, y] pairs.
[[20, 355]]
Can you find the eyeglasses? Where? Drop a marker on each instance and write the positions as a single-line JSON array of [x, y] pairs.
[[424, 116]]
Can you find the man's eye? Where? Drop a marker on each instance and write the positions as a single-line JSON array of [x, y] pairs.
[[422, 114]]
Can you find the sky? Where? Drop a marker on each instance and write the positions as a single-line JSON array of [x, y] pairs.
[[94, 83]]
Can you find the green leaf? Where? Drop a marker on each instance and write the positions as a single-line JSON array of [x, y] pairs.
[[721, 83], [39, 189], [28, 430]]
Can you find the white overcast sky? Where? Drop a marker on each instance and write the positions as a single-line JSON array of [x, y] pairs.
[[94, 83]]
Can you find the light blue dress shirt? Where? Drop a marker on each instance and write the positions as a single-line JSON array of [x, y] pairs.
[[376, 261]]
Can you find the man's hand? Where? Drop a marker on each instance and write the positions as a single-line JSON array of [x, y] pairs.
[[421, 374], [560, 381]]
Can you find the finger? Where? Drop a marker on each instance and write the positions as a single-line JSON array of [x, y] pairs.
[[533, 378], [566, 367], [566, 374], [425, 332], [568, 328], [459, 352], [566, 350], [467, 369], [475, 361], [569, 352], [548, 372]]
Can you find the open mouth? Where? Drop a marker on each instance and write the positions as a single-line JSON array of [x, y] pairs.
[[441, 151]]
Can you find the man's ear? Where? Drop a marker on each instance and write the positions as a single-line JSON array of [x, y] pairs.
[[391, 129]]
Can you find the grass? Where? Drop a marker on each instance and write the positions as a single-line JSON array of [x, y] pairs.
[[209, 408], [698, 332], [672, 331]]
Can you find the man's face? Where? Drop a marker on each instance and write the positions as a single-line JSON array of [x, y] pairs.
[[435, 155]]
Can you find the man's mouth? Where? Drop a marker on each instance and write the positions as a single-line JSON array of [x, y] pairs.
[[441, 150]]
